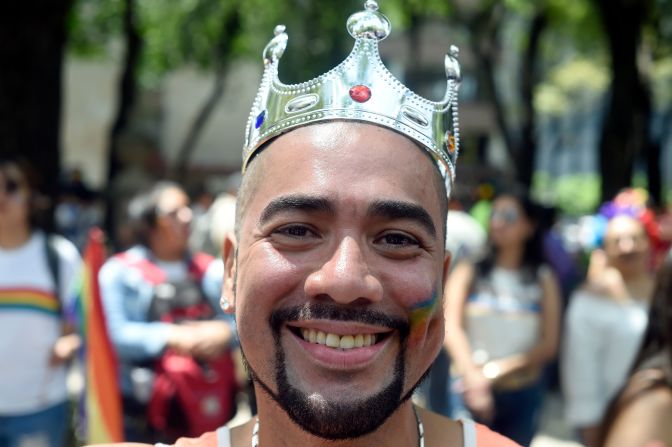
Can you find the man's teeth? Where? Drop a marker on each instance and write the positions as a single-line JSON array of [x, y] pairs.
[[338, 341]]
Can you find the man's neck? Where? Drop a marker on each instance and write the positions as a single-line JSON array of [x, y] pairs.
[[163, 251], [399, 430], [14, 236]]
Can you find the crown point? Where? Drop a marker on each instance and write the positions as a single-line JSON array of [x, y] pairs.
[[276, 47], [369, 24], [453, 70], [454, 51], [371, 5]]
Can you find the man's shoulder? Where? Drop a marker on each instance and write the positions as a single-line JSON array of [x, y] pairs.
[[208, 439], [445, 431]]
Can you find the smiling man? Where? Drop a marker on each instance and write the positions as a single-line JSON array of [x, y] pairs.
[[338, 260], [335, 271], [335, 280]]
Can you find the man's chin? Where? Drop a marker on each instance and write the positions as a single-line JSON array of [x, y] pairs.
[[343, 418]]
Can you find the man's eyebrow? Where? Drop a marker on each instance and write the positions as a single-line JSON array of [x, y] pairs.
[[393, 209], [296, 203]]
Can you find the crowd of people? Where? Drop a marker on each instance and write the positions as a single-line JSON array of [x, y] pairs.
[[508, 323], [515, 320], [340, 279]]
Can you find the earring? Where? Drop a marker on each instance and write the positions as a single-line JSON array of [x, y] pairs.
[[225, 304]]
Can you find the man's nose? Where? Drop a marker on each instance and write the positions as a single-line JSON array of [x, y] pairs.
[[345, 276]]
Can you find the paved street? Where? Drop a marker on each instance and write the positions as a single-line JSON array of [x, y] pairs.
[[554, 431]]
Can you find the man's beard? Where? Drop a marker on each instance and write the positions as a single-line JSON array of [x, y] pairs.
[[324, 418]]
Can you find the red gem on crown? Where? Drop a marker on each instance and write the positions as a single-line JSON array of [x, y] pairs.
[[360, 93]]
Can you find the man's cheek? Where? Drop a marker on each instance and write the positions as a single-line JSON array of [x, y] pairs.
[[422, 314]]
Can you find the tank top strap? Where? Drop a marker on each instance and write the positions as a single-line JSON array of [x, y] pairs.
[[469, 431], [223, 437]]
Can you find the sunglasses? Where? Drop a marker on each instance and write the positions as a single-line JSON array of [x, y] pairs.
[[505, 215], [182, 213]]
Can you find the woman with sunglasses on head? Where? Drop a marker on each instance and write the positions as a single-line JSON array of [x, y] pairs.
[[640, 414], [502, 322], [36, 334]]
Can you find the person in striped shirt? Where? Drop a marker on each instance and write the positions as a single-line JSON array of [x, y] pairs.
[[37, 340]]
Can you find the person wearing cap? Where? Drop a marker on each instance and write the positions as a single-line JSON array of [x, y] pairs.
[[335, 271]]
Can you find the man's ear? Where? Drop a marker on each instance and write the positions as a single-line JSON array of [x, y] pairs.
[[446, 265], [228, 301]]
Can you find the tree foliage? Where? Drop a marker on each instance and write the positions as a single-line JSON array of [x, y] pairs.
[[532, 58]]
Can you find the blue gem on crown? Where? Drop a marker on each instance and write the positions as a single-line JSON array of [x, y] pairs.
[[362, 89], [260, 119]]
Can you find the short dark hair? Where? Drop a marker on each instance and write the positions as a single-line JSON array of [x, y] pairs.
[[143, 209]]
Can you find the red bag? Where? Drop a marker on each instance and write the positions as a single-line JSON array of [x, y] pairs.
[[191, 397]]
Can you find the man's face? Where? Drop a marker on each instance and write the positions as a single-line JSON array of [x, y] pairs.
[[174, 218], [337, 275], [626, 245]]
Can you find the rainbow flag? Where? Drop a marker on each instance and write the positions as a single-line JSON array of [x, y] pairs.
[[102, 419]]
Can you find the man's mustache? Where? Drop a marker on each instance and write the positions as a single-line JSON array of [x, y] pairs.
[[327, 311]]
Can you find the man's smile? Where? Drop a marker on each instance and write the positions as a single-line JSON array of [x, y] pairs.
[[337, 338], [341, 348], [339, 334]]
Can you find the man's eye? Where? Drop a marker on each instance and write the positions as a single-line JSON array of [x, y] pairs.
[[296, 231], [399, 239]]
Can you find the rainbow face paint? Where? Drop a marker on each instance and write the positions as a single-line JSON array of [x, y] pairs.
[[421, 314]]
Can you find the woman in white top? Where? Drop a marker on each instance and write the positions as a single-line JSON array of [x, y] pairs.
[[642, 411], [605, 322], [502, 322], [35, 340]]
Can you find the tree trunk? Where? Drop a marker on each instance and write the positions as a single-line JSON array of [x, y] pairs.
[[191, 139], [126, 100], [654, 172], [230, 30], [625, 131], [485, 28], [33, 33], [526, 159]]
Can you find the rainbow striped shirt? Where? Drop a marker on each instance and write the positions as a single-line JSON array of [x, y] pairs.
[[27, 298]]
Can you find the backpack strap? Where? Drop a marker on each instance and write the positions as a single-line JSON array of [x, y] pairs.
[[469, 432], [150, 271], [198, 264], [54, 263]]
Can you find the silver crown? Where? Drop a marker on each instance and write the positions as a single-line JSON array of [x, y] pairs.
[[361, 88]]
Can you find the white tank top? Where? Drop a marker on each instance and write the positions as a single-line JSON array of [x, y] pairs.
[[468, 427]]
